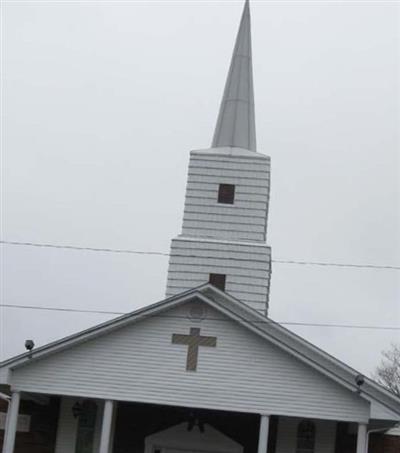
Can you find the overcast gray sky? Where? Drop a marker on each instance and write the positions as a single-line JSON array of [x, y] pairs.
[[102, 103]]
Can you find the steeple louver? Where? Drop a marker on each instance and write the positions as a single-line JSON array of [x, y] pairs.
[[236, 120]]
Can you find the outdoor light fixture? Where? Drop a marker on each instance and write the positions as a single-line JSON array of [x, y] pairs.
[[359, 381], [77, 409], [195, 421], [29, 345]]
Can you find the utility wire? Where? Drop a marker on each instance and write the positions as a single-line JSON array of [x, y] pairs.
[[143, 252], [288, 323], [89, 249]]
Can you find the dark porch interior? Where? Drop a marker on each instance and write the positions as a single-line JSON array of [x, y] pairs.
[[137, 421], [41, 437]]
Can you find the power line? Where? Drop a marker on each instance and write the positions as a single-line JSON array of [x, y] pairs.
[[288, 323], [143, 252], [322, 263], [89, 249]]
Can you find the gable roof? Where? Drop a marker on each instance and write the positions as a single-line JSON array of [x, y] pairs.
[[394, 431], [178, 437], [244, 315]]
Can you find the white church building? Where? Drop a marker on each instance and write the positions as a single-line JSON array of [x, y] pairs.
[[204, 370]]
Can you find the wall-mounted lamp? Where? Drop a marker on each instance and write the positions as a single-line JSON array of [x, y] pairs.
[[359, 381], [77, 409], [195, 421]]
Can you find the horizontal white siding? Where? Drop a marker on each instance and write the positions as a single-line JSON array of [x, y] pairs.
[[261, 191], [233, 235], [243, 373], [231, 221], [243, 221], [229, 268], [210, 170], [246, 219], [253, 163], [241, 200], [247, 268], [244, 288], [325, 437], [228, 210], [198, 280], [221, 226]]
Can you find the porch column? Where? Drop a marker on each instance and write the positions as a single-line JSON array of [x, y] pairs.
[[11, 423], [263, 434], [362, 438], [105, 439]]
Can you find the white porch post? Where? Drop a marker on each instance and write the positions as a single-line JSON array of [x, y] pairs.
[[263, 434], [362, 438], [11, 423], [113, 425], [105, 438]]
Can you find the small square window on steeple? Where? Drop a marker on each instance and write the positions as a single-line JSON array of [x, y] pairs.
[[226, 193], [218, 280]]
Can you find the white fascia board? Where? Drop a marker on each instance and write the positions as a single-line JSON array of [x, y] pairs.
[[183, 238], [230, 152]]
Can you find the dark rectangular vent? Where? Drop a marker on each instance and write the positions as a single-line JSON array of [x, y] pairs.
[[218, 280], [226, 193]]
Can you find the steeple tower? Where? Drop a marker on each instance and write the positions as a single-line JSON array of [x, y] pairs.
[[227, 196], [236, 125]]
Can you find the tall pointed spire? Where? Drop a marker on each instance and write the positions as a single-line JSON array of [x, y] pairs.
[[236, 120]]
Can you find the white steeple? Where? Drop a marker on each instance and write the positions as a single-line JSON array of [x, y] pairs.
[[236, 120], [227, 196]]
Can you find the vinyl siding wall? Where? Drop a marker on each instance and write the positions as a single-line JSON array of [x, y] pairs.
[[244, 373], [246, 219], [225, 238], [246, 266]]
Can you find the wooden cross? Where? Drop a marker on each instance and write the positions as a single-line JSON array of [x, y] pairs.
[[193, 341]]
